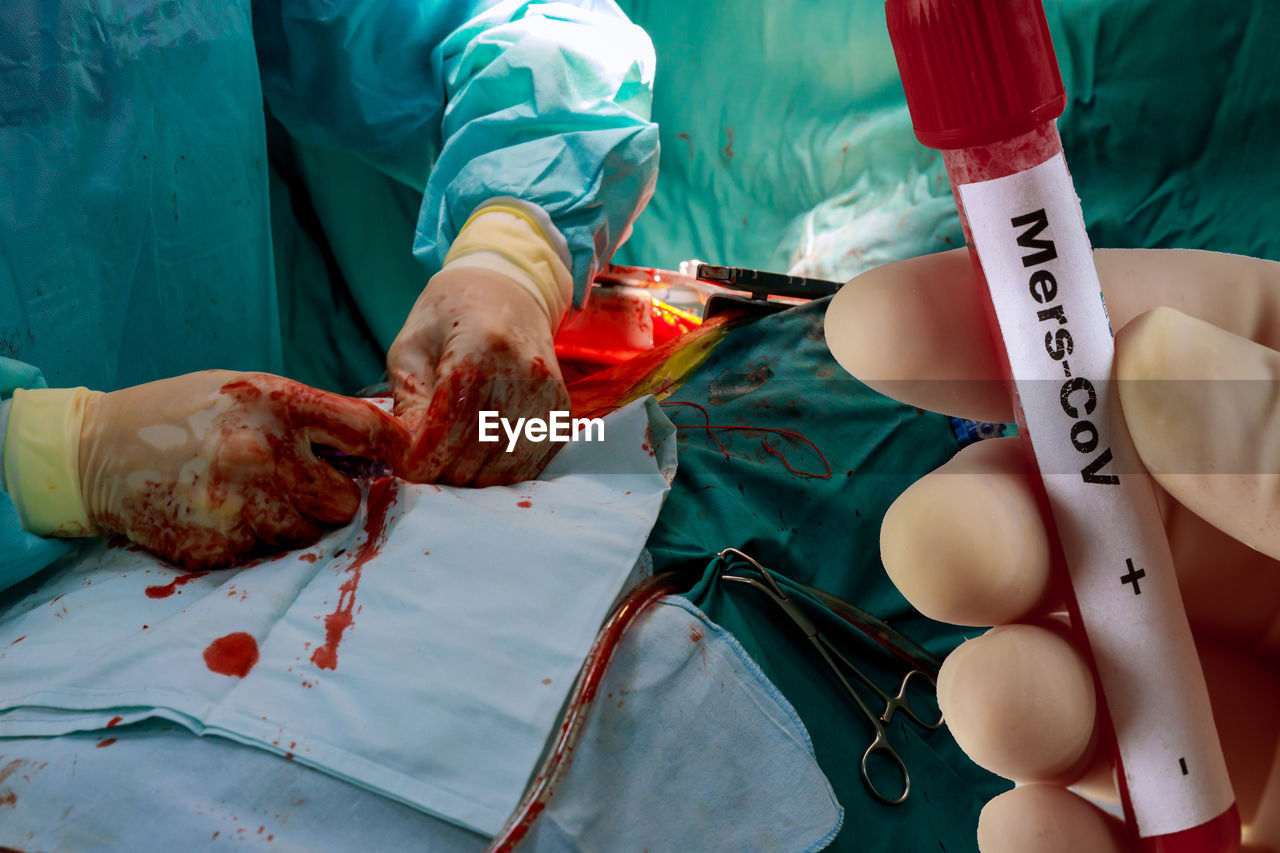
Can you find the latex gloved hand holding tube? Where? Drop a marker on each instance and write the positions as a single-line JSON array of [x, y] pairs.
[[200, 468], [1197, 383], [480, 338]]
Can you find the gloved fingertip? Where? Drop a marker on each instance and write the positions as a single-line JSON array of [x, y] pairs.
[[342, 503], [914, 330], [966, 544], [323, 493], [1200, 403], [1047, 819], [299, 534], [1020, 702], [1165, 346]]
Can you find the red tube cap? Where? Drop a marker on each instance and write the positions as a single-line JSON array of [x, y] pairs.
[[975, 71]]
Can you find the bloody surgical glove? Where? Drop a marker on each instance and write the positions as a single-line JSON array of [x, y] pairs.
[[200, 468], [480, 338], [1197, 367]]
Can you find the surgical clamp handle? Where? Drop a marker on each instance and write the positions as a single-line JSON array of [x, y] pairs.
[[900, 702], [892, 704], [881, 742]]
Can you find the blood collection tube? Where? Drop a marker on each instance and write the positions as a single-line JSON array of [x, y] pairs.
[[983, 87]]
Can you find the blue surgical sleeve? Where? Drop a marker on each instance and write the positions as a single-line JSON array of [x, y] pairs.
[[22, 554], [545, 102]]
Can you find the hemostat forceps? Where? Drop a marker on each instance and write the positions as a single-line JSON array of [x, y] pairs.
[[839, 664]]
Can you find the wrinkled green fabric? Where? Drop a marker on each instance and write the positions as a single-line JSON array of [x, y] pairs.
[[786, 143], [136, 232], [326, 336], [823, 532]]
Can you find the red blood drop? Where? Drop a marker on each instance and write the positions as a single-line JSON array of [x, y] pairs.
[[106, 742], [525, 504], [113, 721], [169, 588], [235, 654]]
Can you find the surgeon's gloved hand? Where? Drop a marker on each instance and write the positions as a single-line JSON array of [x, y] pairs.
[[480, 338], [1198, 388], [200, 469]]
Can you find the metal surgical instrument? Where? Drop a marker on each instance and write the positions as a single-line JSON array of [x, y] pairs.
[[768, 586]]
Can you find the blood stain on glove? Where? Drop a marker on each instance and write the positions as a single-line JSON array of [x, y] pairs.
[[382, 494], [172, 586], [235, 654]]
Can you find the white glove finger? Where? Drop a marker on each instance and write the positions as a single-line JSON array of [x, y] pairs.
[[1047, 819], [1020, 702], [320, 491], [1202, 408], [966, 543], [915, 331]]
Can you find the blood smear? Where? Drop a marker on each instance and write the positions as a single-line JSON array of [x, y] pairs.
[[235, 654], [168, 589], [382, 494]]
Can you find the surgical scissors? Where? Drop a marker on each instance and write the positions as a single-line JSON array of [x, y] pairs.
[[892, 704]]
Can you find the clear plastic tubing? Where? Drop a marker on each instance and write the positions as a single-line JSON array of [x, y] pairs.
[[983, 87]]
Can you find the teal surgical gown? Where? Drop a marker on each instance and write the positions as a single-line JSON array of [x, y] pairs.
[[267, 185]]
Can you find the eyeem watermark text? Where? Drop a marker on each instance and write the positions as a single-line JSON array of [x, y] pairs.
[[558, 427]]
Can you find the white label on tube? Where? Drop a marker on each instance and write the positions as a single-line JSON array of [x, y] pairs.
[[1030, 237]]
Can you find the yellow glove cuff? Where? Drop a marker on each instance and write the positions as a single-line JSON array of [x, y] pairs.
[[507, 238], [42, 461]]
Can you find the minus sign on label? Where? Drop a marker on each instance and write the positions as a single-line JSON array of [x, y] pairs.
[[1182, 762], [1066, 369]]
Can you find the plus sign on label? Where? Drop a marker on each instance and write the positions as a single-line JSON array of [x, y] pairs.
[[1133, 576]]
